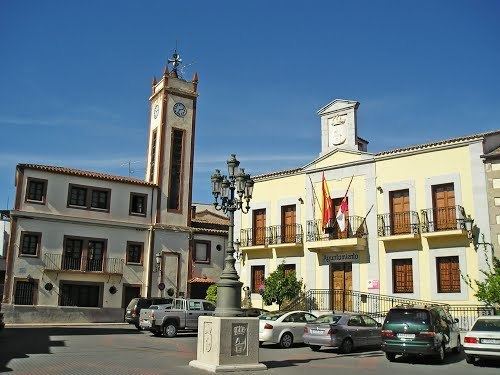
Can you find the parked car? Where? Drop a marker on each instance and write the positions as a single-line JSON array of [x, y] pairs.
[[183, 315], [344, 331], [422, 330], [253, 311], [483, 340], [147, 316], [133, 309], [283, 328]]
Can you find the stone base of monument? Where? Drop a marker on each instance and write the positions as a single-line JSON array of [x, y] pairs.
[[228, 344]]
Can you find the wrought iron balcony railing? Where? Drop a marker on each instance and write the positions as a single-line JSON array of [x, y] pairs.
[[59, 262], [355, 227], [272, 235], [446, 218], [398, 223]]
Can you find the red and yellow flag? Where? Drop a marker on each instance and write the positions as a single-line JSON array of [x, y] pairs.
[[327, 204]]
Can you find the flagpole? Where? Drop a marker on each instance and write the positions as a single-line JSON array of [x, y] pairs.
[[348, 187], [315, 196]]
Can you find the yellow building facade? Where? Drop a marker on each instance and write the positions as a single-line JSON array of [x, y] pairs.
[[404, 233]]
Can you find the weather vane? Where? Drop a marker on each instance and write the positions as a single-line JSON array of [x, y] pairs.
[[175, 61]]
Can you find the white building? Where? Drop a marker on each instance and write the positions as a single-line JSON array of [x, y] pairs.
[[84, 243]]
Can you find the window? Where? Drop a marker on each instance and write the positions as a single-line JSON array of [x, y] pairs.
[[402, 276], [99, 199], [138, 204], [355, 321], [134, 252], [258, 277], [153, 157], [202, 251], [89, 198], [78, 196], [369, 322], [84, 254], [30, 243], [82, 295], [36, 190], [25, 292], [174, 188], [195, 305], [207, 306], [289, 268], [448, 274]]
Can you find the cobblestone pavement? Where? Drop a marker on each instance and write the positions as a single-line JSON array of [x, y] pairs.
[[121, 349]]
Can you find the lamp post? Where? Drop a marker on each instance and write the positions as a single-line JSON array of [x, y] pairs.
[[234, 191]]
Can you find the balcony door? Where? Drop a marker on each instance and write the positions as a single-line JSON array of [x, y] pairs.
[[95, 256], [72, 258], [288, 224], [259, 226], [341, 286], [400, 211], [444, 209]]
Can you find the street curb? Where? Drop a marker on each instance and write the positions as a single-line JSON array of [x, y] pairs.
[[22, 325]]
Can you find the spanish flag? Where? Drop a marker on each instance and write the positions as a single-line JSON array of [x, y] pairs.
[[327, 204]]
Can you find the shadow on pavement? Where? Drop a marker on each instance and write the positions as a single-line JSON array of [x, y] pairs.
[[21, 342], [428, 360]]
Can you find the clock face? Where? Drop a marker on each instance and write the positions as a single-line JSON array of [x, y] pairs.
[[180, 109], [156, 111]]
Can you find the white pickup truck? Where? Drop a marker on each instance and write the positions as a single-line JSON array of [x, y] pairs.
[[183, 315], [147, 315]]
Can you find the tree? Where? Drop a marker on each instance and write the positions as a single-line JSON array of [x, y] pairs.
[[488, 290], [280, 287], [212, 293]]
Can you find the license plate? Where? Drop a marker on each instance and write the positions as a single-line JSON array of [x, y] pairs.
[[406, 336], [490, 341], [316, 331]]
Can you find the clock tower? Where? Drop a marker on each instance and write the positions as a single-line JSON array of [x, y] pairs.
[[171, 144]]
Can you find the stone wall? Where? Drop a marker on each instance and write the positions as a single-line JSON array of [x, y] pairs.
[[15, 314]]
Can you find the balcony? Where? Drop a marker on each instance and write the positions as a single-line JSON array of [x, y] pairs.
[[446, 221], [58, 262], [331, 236], [398, 226], [285, 235]]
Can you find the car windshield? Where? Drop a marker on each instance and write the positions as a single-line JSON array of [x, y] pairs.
[[492, 325], [408, 316], [132, 303], [327, 319], [271, 316]]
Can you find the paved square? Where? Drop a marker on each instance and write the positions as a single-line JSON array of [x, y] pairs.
[[121, 349]]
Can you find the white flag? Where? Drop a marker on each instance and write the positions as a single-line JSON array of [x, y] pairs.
[[341, 214]]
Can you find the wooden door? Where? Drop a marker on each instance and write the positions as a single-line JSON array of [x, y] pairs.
[[337, 233], [288, 221], [400, 211], [259, 227], [341, 286], [443, 201]]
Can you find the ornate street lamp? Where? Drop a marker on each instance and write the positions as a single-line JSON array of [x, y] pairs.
[[232, 192]]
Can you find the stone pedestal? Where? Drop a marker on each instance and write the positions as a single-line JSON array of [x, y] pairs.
[[228, 344]]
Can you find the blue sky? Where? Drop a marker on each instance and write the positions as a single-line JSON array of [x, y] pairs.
[[75, 77]]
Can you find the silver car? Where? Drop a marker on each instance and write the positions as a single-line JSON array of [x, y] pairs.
[[283, 328], [344, 331], [483, 340]]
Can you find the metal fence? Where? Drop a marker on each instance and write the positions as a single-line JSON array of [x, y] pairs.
[[355, 227], [398, 223], [24, 293], [58, 262], [272, 235], [444, 218], [377, 305]]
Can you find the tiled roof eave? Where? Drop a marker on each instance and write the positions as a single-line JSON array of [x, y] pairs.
[[85, 174]]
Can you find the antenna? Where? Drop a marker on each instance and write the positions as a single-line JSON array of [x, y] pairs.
[[129, 164]]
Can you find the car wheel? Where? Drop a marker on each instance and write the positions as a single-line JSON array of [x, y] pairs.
[[390, 356], [170, 330], [458, 348], [469, 359], [315, 348], [440, 354], [346, 346], [286, 340]]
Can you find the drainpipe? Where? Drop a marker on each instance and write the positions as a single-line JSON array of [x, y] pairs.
[[151, 244]]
